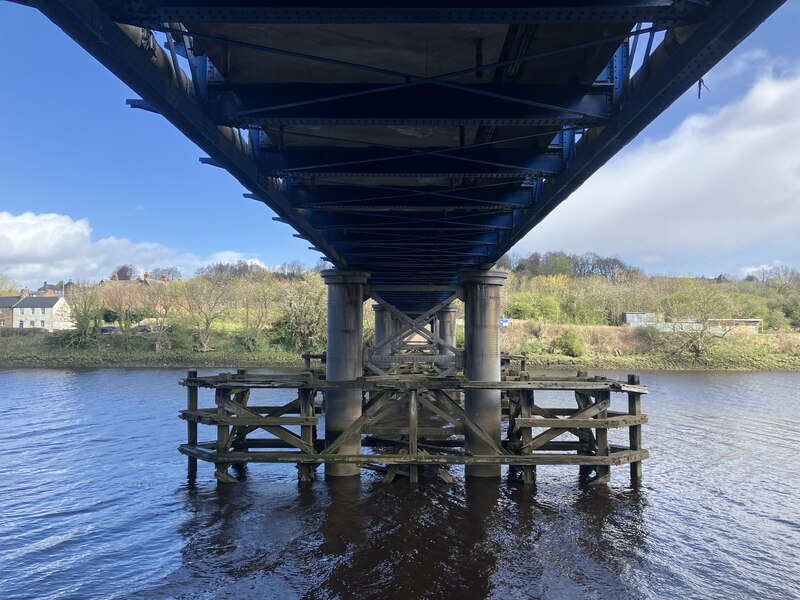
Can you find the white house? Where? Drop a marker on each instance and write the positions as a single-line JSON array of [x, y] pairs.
[[50, 312]]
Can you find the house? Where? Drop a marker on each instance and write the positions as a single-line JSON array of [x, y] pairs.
[[48, 290], [44, 312], [6, 310]]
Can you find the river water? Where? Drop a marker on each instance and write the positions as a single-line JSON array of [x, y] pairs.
[[95, 504]]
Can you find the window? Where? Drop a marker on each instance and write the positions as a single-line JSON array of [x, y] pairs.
[[42, 310], [22, 311], [22, 324], [2, 322], [41, 324], [33, 323]]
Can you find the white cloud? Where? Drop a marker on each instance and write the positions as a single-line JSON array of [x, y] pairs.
[[49, 247], [723, 184]]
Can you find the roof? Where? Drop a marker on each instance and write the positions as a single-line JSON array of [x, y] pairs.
[[8, 301], [38, 302]]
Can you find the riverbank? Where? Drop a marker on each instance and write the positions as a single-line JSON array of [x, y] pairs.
[[600, 348]]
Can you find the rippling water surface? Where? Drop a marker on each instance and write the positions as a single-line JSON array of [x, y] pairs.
[[95, 505]]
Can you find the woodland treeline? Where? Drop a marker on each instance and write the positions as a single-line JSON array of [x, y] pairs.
[[252, 307]]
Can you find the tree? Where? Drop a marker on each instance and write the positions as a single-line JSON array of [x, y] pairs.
[[205, 301], [303, 324], [171, 273], [694, 310], [159, 302], [8, 287], [86, 311], [226, 271], [125, 272], [126, 301], [254, 295]]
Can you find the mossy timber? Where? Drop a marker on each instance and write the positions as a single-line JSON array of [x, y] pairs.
[[414, 422]]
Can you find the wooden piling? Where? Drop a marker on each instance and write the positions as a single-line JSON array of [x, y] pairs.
[[601, 435], [635, 431], [413, 423], [191, 424]]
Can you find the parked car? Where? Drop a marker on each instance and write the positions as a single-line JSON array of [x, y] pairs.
[[109, 329], [143, 329]]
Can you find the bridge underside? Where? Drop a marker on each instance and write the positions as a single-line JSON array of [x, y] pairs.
[[408, 141]]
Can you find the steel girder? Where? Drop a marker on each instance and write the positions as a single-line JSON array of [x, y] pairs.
[[410, 176]]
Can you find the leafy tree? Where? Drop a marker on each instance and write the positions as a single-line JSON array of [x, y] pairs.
[[303, 324], [568, 344], [254, 295], [86, 311]]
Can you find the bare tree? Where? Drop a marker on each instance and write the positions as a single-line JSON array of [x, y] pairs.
[[694, 311], [7, 286], [170, 273], [204, 301], [159, 302], [125, 272], [126, 301]]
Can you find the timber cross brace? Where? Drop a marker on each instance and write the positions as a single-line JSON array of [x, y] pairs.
[[415, 426]]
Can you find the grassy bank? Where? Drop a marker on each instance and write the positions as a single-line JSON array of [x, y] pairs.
[[39, 351], [599, 348], [632, 349]]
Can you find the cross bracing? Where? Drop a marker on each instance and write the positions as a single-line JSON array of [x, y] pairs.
[[409, 141]]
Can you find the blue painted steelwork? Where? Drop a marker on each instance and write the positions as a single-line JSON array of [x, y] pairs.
[[410, 141]]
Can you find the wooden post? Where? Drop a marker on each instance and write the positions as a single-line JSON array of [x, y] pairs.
[[526, 400], [601, 434], [221, 396], [635, 431], [307, 472], [412, 435], [191, 425]]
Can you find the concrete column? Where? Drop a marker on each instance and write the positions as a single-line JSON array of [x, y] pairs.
[[482, 360], [382, 328], [345, 346], [447, 328]]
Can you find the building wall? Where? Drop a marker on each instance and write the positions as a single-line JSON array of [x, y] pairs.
[[6, 317], [61, 316]]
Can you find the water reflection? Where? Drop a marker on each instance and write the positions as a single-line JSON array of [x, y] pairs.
[[360, 538]]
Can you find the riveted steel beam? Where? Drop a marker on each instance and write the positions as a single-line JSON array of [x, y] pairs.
[[541, 12]]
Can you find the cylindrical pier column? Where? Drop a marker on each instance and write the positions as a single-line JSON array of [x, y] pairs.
[[344, 360], [482, 361], [382, 329], [447, 328]]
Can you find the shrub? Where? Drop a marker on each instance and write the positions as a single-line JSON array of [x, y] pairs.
[[567, 343]]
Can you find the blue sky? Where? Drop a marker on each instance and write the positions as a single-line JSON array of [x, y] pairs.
[[87, 183]]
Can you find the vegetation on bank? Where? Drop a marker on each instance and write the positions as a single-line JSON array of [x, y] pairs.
[[546, 345], [564, 310]]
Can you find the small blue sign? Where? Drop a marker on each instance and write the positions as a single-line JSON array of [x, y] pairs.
[[503, 322]]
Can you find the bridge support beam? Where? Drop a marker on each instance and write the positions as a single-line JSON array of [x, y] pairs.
[[446, 319], [383, 329], [482, 361], [344, 360]]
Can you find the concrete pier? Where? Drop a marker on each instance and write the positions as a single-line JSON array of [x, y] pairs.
[[482, 360], [446, 319], [344, 361]]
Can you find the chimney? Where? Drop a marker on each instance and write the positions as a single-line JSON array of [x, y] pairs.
[[146, 275], [164, 278], [115, 276]]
